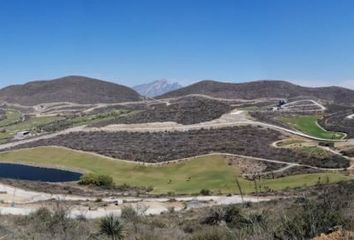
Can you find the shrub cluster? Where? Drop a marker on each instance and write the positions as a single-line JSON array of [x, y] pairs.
[[187, 110], [96, 180], [164, 146]]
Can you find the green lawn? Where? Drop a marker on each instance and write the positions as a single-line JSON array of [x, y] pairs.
[[309, 124], [212, 172]]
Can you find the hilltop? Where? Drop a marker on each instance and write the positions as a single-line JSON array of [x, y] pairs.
[[76, 89], [263, 89]]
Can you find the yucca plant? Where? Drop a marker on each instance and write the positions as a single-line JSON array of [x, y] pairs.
[[112, 227]]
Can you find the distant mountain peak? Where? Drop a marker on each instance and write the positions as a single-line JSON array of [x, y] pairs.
[[157, 87]]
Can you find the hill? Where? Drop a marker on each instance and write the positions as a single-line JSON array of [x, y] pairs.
[[76, 89], [156, 88], [264, 89]]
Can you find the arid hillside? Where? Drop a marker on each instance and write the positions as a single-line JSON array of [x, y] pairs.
[[264, 89], [75, 89]]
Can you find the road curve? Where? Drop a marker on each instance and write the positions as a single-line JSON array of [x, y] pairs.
[[231, 119]]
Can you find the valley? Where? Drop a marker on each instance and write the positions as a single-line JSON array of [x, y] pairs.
[[195, 150]]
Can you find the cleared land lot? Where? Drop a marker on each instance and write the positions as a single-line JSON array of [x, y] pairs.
[[212, 172], [309, 124], [165, 146]]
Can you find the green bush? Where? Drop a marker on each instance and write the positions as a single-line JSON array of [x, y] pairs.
[[214, 217], [96, 180], [205, 192], [55, 223], [104, 180], [233, 215]]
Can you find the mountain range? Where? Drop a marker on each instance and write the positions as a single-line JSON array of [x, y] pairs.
[[156, 88], [264, 89], [84, 90]]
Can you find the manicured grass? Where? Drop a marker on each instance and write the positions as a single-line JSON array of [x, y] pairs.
[[188, 177], [309, 124]]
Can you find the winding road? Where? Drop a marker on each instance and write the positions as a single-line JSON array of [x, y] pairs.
[[155, 205]]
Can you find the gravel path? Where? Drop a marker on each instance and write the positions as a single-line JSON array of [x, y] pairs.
[[29, 201]]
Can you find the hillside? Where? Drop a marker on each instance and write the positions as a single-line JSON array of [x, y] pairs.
[[156, 88], [264, 89], [75, 89]]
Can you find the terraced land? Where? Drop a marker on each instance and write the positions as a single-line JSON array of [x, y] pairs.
[[187, 177], [309, 124], [187, 110], [74, 121], [165, 146]]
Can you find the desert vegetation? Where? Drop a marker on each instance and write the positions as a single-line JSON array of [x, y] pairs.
[[336, 119], [323, 209], [164, 146], [82, 119], [188, 110], [348, 152]]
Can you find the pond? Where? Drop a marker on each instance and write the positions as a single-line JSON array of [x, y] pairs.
[[26, 172]]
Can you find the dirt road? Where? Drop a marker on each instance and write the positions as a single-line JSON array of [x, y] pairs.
[[29, 201]]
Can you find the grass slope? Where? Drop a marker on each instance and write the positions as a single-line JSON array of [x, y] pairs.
[[211, 172], [309, 124], [13, 123], [11, 117]]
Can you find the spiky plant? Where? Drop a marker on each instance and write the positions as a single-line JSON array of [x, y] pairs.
[[112, 227]]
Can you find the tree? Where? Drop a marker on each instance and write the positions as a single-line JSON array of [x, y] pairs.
[[112, 227]]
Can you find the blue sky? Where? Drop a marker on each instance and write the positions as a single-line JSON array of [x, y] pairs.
[[310, 42]]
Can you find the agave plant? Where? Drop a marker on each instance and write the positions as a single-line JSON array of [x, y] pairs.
[[112, 227]]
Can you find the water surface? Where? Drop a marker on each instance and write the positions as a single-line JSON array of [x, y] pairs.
[[26, 172]]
